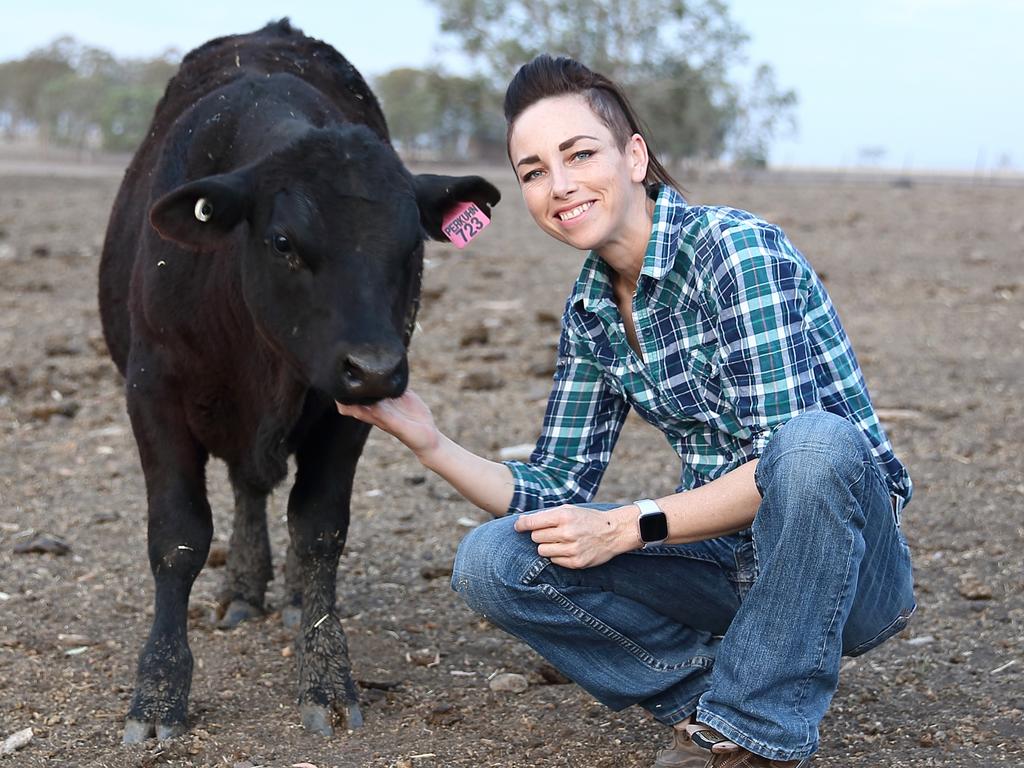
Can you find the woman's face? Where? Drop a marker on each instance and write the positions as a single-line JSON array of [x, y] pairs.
[[579, 185]]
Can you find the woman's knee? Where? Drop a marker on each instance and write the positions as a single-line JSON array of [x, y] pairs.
[[490, 565], [812, 446]]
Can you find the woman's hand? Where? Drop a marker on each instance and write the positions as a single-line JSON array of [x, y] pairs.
[[576, 537], [407, 417]]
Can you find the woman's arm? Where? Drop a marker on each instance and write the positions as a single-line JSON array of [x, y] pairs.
[[574, 537], [487, 484]]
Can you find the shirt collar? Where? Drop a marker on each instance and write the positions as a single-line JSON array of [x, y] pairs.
[[594, 286]]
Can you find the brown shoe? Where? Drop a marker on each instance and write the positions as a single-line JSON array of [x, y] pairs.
[[727, 754], [681, 753]]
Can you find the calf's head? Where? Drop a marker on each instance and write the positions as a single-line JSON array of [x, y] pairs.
[[328, 233]]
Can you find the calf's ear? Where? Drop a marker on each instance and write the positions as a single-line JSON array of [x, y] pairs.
[[201, 214], [436, 195]]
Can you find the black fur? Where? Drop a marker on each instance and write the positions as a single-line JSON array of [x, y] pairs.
[[236, 334]]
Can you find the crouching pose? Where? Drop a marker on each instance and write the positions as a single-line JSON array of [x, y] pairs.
[[723, 609]]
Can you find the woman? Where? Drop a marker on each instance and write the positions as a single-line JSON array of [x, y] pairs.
[[724, 608]]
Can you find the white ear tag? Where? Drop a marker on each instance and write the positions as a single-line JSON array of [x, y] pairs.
[[204, 209]]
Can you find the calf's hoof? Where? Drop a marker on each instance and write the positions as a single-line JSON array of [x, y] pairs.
[[320, 719], [137, 731], [236, 612]]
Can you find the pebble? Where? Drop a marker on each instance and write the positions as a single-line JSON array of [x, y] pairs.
[[481, 381], [423, 657], [16, 741], [43, 543], [974, 588], [67, 408], [431, 572], [508, 682], [475, 335], [73, 640]]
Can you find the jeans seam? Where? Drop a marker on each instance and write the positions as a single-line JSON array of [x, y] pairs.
[[640, 654], [890, 629], [819, 666]]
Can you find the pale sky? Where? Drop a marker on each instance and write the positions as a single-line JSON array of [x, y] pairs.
[[937, 84]]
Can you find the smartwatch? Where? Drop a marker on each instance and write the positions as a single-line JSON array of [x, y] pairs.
[[652, 523]]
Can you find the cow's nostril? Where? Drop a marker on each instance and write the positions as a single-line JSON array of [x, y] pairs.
[[354, 375]]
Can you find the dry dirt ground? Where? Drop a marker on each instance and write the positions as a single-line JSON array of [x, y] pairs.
[[929, 279]]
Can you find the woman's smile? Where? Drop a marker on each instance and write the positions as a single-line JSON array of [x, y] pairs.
[[572, 216]]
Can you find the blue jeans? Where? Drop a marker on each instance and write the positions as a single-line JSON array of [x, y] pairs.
[[745, 630]]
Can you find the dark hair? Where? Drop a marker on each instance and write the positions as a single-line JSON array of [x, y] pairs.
[[547, 76]]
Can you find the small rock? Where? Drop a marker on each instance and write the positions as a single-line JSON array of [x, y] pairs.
[[508, 682], [423, 657], [475, 335], [431, 572], [443, 714], [40, 251], [481, 381], [74, 639], [922, 640], [552, 676], [43, 544], [16, 741], [974, 588], [61, 346], [68, 408], [7, 252], [467, 522], [287, 652]]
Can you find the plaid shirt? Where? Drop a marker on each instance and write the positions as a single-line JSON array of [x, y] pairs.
[[738, 336]]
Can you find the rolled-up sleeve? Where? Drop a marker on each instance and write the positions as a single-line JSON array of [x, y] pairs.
[[758, 288], [582, 422]]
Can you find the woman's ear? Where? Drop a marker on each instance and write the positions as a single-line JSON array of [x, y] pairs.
[[636, 150]]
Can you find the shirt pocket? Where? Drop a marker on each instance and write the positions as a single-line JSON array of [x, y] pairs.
[[690, 384]]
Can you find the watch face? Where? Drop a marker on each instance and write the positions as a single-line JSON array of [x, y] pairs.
[[654, 527]]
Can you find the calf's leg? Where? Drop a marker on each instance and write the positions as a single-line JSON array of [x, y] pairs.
[[249, 566], [318, 517], [179, 533]]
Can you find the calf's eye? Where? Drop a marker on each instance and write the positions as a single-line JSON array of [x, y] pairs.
[[282, 244]]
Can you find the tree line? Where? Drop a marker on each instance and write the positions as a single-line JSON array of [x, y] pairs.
[[675, 59]]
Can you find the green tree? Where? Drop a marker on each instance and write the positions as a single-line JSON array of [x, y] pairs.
[[671, 56], [76, 94], [433, 115]]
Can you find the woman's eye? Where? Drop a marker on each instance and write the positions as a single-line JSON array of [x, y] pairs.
[[531, 175], [583, 154], [282, 244]]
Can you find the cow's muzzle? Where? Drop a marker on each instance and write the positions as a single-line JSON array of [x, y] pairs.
[[370, 374]]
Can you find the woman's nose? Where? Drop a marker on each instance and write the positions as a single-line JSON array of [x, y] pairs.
[[562, 182]]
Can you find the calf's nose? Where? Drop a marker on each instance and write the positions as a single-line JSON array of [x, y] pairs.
[[377, 374]]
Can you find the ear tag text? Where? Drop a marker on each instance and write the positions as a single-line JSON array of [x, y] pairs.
[[464, 222]]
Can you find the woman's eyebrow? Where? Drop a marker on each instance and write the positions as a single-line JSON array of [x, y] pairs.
[[561, 148], [569, 142]]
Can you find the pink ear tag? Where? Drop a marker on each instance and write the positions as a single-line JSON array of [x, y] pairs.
[[464, 222]]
